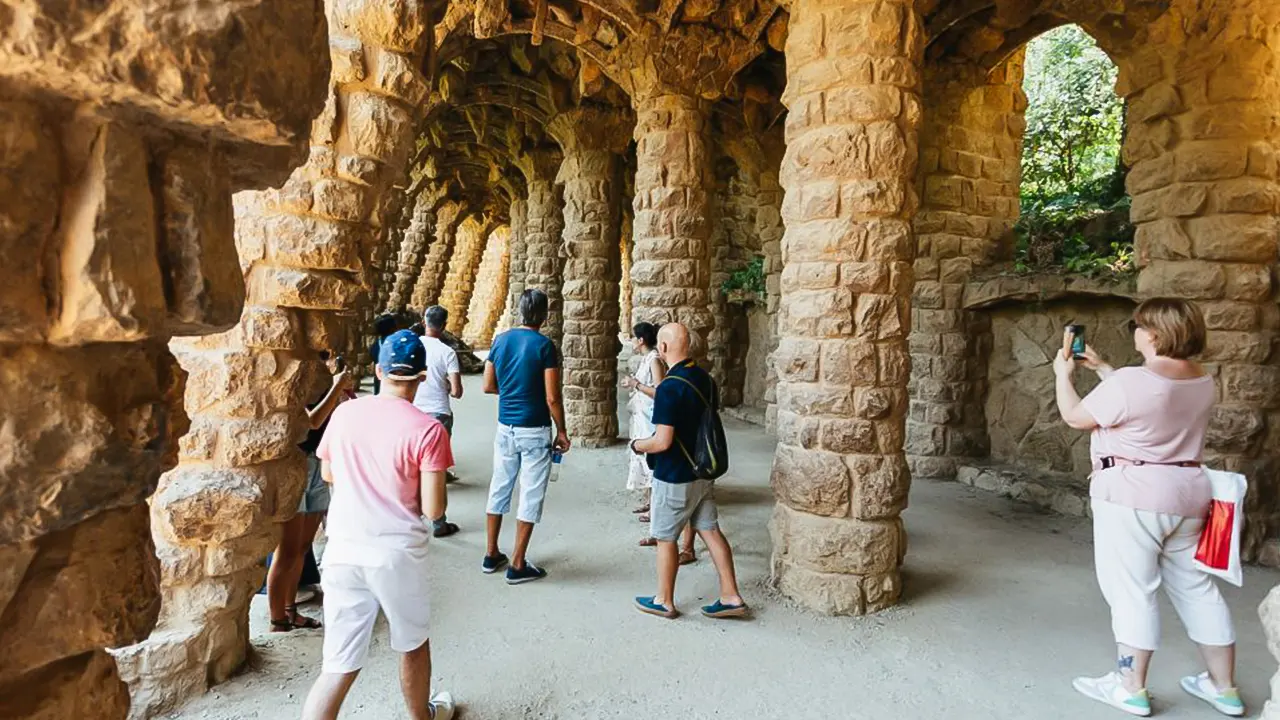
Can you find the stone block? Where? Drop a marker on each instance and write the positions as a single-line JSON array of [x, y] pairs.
[[836, 545], [879, 485], [1234, 238], [304, 289], [399, 25], [29, 178], [828, 593], [1196, 280], [111, 285], [812, 481]]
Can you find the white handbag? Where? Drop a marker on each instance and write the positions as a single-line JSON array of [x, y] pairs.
[[1219, 550]]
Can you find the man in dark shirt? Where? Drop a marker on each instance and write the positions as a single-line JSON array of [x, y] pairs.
[[523, 370], [680, 497]]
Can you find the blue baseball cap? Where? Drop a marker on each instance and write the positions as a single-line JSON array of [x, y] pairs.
[[402, 356]]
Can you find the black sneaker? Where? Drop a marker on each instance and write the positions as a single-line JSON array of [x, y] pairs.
[[528, 573], [493, 563]]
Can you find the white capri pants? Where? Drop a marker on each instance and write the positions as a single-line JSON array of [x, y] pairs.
[[1135, 552]]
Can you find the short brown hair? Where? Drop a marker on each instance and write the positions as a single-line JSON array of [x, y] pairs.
[[1177, 326]]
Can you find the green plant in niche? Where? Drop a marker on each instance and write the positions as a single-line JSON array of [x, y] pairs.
[[746, 283]]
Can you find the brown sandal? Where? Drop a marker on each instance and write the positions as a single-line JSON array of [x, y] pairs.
[[644, 518], [300, 621], [687, 557], [642, 509], [649, 542]]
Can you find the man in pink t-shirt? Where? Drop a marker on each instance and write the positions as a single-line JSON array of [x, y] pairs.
[[386, 462]]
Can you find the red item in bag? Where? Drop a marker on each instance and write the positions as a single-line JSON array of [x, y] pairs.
[[1216, 540]]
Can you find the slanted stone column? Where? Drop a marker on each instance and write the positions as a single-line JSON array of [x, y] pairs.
[[306, 250], [116, 234], [543, 224], [516, 263], [435, 265], [839, 475], [592, 141], [490, 298], [412, 255], [670, 266], [460, 281]]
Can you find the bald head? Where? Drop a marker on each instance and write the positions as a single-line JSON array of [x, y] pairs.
[[673, 343]]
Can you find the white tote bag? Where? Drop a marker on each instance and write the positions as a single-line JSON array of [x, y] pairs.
[[1219, 550]]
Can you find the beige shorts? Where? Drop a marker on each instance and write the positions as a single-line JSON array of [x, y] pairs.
[[354, 594]]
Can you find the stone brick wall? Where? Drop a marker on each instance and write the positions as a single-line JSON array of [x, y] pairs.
[[412, 253], [490, 297], [970, 170], [544, 263]]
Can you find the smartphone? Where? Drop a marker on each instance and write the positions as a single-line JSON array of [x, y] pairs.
[[340, 363], [1077, 340]]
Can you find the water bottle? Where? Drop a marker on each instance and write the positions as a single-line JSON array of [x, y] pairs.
[[556, 458]]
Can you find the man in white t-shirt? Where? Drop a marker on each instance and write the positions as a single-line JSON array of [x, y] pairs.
[[443, 381], [385, 462]]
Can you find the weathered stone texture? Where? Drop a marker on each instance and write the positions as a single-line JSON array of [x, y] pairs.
[[435, 265], [516, 264], [544, 260], [412, 253], [970, 155], [125, 129], [592, 144], [460, 280], [311, 252], [840, 475], [670, 267], [490, 297]]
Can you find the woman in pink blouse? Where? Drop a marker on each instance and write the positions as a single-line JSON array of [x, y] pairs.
[[1150, 498]]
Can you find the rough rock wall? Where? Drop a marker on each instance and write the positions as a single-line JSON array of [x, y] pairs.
[[839, 474], [1021, 411], [460, 280], [308, 252], [543, 259], [490, 298], [435, 265], [515, 263], [970, 170], [115, 234]]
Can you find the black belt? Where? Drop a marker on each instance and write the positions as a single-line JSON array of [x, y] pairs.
[[1112, 461]]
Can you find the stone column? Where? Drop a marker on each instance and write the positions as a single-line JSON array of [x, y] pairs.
[[971, 154], [592, 142], [839, 475], [460, 281], [435, 265], [306, 250], [516, 263], [543, 225], [116, 234], [490, 297], [770, 229], [412, 254], [670, 267]]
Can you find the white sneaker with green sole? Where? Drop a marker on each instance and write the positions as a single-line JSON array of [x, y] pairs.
[[1110, 690], [1226, 701]]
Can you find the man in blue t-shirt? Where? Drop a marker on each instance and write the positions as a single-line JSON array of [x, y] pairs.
[[680, 497], [523, 370]]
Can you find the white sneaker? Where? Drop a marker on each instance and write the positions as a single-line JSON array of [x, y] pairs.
[[442, 706], [1226, 701], [1110, 690]]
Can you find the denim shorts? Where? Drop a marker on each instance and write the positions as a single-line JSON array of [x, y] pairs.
[[315, 499], [674, 505], [524, 454]]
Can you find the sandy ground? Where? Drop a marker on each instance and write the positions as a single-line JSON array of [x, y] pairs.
[[1001, 611]]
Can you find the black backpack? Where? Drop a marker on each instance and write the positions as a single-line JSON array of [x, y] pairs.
[[710, 457]]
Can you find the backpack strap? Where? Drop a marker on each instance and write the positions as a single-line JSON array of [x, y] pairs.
[[701, 397]]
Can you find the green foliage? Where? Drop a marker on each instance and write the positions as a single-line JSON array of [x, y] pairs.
[[1075, 216], [746, 280], [1074, 118]]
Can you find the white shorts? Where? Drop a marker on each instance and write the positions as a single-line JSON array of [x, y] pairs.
[[353, 594]]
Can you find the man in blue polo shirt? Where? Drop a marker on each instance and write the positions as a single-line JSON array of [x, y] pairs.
[[523, 370], [680, 497]]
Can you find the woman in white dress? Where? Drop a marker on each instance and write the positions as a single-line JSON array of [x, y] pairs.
[[643, 384]]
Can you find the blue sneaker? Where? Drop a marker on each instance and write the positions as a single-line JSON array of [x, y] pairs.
[[647, 605], [718, 609], [528, 573], [492, 563]]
